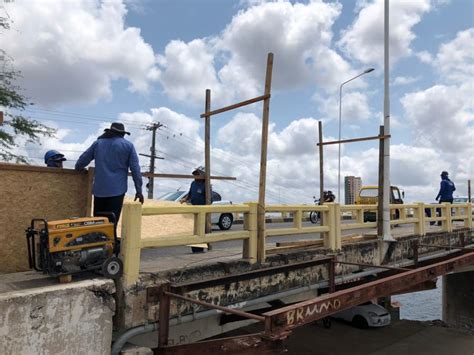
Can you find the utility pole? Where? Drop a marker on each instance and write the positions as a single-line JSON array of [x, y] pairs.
[[153, 128]]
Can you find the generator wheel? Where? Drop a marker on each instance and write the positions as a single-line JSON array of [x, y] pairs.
[[112, 268]]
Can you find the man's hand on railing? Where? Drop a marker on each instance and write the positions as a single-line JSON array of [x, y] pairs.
[[139, 197]]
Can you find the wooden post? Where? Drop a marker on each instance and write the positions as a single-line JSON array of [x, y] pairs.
[[420, 215], [380, 189], [321, 171], [90, 183], [469, 191], [207, 159], [131, 242], [263, 161]]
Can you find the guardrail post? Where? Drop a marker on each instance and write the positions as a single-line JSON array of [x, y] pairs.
[[261, 237], [337, 226], [420, 216], [298, 219], [330, 237], [130, 241], [468, 220], [200, 224], [250, 224], [448, 226]]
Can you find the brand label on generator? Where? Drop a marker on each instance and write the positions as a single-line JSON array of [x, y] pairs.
[[78, 224]]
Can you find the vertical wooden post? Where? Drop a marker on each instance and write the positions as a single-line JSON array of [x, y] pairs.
[[321, 166], [131, 241], [448, 227], [263, 161], [380, 189], [90, 183], [207, 158], [250, 250], [330, 237], [469, 191]]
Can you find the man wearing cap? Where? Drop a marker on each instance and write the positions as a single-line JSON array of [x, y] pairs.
[[54, 159], [114, 156], [446, 189], [197, 190]]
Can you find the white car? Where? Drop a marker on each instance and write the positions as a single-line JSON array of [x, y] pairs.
[[223, 220], [365, 315]]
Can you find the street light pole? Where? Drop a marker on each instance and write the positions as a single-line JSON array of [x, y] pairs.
[[340, 125]]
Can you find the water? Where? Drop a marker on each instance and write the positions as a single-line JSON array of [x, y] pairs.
[[423, 306]]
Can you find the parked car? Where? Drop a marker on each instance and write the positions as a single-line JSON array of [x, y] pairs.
[[460, 200], [223, 220], [365, 315]]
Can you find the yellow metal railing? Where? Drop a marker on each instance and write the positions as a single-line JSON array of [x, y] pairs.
[[330, 227]]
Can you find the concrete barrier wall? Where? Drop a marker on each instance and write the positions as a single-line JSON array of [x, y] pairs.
[[72, 319], [36, 192]]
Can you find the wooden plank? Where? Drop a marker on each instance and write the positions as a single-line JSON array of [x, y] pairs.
[[263, 162], [321, 167], [234, 106], [207, 157], [356, 140], [380, 188], [39, 169], [184, 176]]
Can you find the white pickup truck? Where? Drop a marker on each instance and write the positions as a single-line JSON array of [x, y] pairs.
[[223, 220]]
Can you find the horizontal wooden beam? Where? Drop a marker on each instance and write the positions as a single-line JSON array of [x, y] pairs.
[[355, 140], [183, 176], [40, 169], [237, 105]]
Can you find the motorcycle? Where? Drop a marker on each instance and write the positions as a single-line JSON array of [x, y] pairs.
[[328, 196]]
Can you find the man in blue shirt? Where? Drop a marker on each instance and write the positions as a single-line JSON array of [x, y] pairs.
[[446, 189], [197, 191], [113, 156]]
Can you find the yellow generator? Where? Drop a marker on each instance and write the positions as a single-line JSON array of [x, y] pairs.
[[75, 245]]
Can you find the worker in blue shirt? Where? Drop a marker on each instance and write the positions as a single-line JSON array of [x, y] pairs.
[[445, 193], [197, 190], [54, 159], [113, 156], [446, 189]]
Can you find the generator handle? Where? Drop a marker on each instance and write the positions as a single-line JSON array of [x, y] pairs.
[[30, 239]]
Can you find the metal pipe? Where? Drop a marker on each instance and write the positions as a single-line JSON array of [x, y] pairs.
[[386, 123], [130, 333]]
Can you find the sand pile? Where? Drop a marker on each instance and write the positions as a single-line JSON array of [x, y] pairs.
[[154, 226]]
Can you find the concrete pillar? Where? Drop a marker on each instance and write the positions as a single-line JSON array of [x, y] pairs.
[[458, 299]]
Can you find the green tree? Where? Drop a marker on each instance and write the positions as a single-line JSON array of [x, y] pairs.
[[15, 124]]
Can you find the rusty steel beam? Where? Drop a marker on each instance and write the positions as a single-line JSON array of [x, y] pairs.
[[298, 314], [240, 345], [374, 266], [214, 306], [223, 280], [427, 285]]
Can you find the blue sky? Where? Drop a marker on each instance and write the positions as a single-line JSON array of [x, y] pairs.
[[86, 63]]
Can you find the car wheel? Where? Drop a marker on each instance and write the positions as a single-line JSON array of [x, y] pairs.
[[360, 322], [225, 221]]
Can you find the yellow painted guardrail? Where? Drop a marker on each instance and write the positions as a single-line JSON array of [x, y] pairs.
[[330, 228]]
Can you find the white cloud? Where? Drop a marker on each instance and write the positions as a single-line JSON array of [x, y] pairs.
[[232, 64], [455, 59], [425, 57], [70, 52], [355, 108], [404, 80], [364, 39]]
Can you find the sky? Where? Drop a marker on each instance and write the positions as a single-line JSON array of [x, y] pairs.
[[88, 63]]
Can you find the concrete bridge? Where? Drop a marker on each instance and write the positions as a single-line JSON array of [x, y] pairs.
[[312, 271]]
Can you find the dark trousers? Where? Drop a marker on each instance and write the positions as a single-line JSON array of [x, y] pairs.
[[109, 204]]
